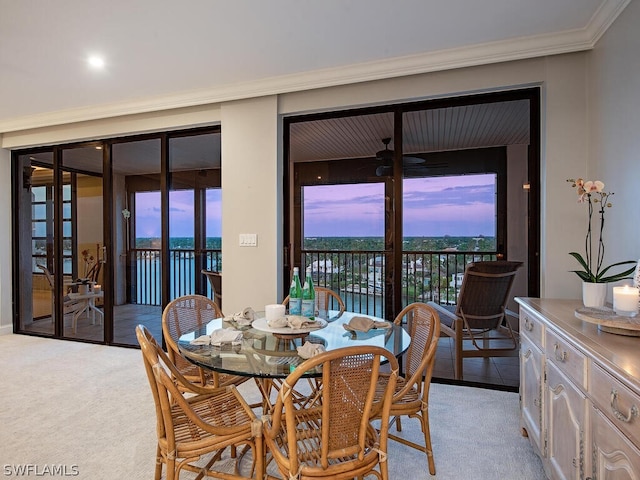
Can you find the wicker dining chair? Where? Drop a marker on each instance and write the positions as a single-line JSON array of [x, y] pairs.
[[202, 424], [335, 437], [326, 300], [186, 314], [480, 314], [411, 395]]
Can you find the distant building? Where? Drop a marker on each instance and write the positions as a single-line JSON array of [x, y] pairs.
[[456, 280], [323, 267]]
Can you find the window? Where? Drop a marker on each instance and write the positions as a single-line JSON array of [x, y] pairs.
[[450, 213], [343, 217]]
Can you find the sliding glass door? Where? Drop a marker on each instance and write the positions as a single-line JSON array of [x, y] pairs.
[[109, 232], [136, 237], [83, 245], [433, 177], [194, 212], [61, 238]]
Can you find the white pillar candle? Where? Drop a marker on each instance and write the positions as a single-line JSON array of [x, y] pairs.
[[274, 311], [625, 300]]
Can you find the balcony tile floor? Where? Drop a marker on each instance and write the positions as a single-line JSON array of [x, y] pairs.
[[500, 372]]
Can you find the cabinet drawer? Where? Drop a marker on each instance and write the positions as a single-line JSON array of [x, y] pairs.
[[620, 404], [567, 358], [614, 456], [532, 327]]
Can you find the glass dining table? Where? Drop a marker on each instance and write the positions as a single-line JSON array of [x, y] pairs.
[[263, 354]]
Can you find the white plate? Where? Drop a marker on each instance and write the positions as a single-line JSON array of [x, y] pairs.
[[261, 324]]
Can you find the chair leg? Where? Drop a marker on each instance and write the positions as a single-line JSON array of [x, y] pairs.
[[158, 473], [428, 448], [171, 468], [458, 325]]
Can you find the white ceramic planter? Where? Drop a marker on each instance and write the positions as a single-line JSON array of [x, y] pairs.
[[594, 294]]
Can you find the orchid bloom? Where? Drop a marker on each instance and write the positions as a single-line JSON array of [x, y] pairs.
[[596, 186], [587, 188], [592, 193]]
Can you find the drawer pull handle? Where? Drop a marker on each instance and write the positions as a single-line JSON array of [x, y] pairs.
[[562, 357], [528, 324], [633, 411]]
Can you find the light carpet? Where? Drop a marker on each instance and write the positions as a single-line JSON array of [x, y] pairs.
[[85, 411]]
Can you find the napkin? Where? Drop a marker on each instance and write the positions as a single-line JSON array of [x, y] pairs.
[[293, 322], [309, 350], [245, 317], [201, 340], [226, 335], [297, 321], [278, 322], [364, 324]]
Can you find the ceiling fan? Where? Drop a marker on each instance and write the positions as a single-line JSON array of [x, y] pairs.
[[386, 156]]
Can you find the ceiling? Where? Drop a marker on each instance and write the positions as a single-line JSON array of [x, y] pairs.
[[160, 54], [424, 131], [163, 54]]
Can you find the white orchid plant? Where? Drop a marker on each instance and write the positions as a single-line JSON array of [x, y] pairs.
[[592, 193]]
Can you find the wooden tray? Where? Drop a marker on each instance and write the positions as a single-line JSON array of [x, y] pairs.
[[609, 322]]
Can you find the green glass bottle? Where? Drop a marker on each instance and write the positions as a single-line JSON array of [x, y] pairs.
[[308, 297], [295, 294]]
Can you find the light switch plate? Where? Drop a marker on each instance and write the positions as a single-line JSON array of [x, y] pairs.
[[248, 240]]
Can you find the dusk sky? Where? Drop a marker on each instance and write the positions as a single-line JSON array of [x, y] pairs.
[[433, 207], [180, 214]]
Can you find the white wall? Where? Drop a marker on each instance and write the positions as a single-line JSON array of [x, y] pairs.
[[251, 203], [614, 131], [5, 243], [518, 228], [252, 144], [564, 152]]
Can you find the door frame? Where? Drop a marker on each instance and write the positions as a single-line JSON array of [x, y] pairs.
[[292, 236]]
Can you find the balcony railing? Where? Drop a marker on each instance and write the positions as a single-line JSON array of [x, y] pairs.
[[146, 271], [357, 276]]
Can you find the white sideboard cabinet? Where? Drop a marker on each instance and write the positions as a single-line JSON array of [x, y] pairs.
[[579, 393]]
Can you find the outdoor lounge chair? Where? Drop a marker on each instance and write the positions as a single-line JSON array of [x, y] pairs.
[[480, 314]]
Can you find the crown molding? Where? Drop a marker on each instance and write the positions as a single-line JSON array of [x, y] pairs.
[[455, 58], [604, 17]]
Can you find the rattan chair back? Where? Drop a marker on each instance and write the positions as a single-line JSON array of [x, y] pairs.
[[326, 300], [334, 436], [207, 421], [186, 314], [423, 325], [411, 396]]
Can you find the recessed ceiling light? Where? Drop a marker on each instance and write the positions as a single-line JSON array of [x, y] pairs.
[[96, 62]]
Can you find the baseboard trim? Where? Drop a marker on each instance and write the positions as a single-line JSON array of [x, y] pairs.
[[6, 330], [463, 383]]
